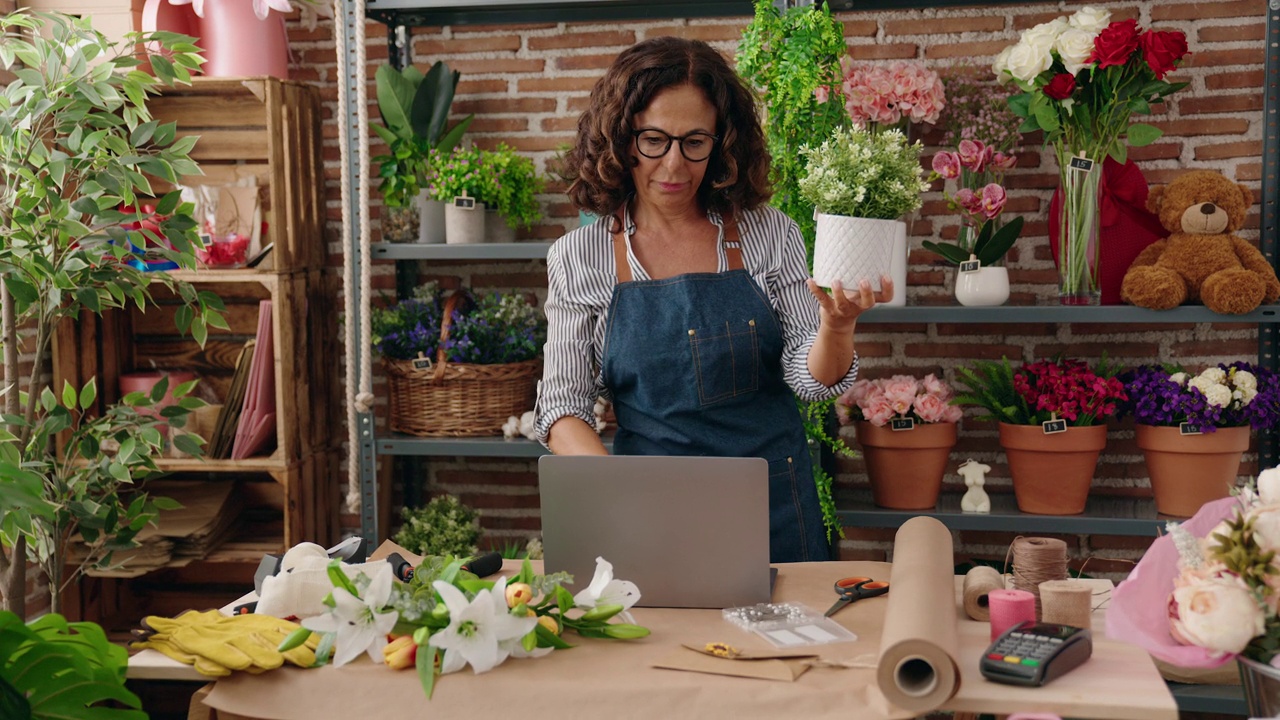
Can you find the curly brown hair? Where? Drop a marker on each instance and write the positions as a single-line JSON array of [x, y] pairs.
[[599, 164]]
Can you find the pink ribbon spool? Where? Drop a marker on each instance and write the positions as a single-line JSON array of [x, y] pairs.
[[1009, 608]]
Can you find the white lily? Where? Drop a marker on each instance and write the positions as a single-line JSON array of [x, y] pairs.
[[605, 590], [479, 630], [359, 623]]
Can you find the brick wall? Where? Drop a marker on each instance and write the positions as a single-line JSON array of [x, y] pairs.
[[527, 83]]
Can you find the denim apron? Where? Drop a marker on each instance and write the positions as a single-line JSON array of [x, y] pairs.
[[694, 364]]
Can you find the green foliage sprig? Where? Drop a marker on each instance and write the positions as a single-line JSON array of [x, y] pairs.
[[989, 386], [863, 173], [509, 183], [444, 526], [786, 56], [51, 669]]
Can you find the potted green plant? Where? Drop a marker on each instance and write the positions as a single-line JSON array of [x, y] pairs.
[[860, 182], [80, 673], [1052, 416], [444, 526], [509, 187], [415, 114], [459, 179], [76, 146]]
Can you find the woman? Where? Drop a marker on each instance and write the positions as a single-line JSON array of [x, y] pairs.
[[689, 302]]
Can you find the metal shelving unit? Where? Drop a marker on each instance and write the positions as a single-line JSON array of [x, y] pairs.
[[1101, 516], [1116, 516]]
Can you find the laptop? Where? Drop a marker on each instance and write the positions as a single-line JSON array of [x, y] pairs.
[[690, 532]]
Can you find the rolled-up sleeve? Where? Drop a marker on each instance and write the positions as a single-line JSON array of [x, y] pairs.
[[568, 386], [798, 311]]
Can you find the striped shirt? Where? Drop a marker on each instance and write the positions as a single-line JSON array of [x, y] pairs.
[[581, 274]]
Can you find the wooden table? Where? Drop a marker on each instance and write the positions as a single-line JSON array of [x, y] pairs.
[[615, 679]]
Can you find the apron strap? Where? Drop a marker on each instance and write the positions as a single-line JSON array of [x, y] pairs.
[[732, 245], [732, 248]]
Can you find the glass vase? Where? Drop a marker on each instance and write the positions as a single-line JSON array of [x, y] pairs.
[[1078, 236]]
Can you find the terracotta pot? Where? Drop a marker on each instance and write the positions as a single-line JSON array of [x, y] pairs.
[[1188, 471], [906, 466], [1052, 473]]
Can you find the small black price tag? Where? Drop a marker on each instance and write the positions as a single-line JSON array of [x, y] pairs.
[[902, 424], [422, 363], [1052, 427], [969, 266], [1186, 429], [465, 202], [1081, 164]]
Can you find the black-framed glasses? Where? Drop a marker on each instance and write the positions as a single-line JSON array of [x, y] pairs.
[[654, 144]]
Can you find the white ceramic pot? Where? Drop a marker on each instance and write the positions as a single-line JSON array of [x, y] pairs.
[[430, 219], [496, 229], [898, 268], [983, 287], [852, 249], [464, 226]]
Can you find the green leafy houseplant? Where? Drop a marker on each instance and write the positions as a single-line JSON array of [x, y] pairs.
[[76, 145], [444, 526], [51, 669], [415, 114], [863, 173], [509, 183], [788, 56]]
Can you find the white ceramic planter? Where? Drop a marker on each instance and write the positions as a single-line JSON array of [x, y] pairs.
[[984, 287], [852, 249], [898, 269], [431, 227], [464, 226]]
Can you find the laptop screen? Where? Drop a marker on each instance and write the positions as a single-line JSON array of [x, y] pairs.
[[689, 531]]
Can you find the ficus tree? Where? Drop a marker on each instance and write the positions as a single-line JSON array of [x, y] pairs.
[[78, 154]]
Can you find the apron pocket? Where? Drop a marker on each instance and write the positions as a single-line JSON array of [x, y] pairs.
[[726, 360]]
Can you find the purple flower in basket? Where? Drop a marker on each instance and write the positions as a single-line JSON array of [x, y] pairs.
[[1232, 395], [490, 329]]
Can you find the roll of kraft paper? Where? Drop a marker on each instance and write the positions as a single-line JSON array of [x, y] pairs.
[[977, 583], [1066, 602], [917, 670]]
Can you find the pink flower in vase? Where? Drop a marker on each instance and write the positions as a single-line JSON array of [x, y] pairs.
[[968, 200], [993, 200], [1003, 161], [947, 165], [973, 155]]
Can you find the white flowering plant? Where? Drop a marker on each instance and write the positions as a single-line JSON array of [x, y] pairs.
[[1227, 591], [446, 618], [864, 173]]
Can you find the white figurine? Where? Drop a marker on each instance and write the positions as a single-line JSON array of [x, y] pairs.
[[975, 500]]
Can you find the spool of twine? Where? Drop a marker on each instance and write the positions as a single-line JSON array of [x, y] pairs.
[[1066, 602], [978, 582], [1037, 560], [1009, 608]]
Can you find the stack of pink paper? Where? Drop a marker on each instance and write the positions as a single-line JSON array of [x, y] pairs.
[[257, 427]]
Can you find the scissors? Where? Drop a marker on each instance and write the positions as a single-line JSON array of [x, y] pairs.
[[853, 589]]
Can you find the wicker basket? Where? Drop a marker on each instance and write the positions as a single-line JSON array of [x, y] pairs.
[[443, 399]]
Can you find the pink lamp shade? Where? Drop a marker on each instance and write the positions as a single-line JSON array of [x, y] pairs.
[[235, 42]]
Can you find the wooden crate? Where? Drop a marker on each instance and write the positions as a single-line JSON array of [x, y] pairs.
[[264, 128]]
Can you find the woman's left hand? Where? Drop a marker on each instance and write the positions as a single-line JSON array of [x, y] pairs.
[[840, 310]]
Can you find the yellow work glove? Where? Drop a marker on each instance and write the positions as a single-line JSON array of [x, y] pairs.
[[217, 641]]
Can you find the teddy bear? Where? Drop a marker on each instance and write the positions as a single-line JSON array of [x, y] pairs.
[[1202, 259]]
